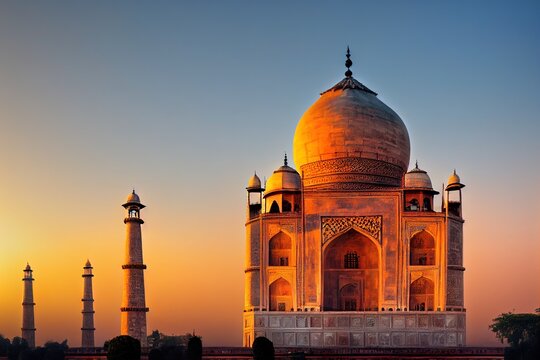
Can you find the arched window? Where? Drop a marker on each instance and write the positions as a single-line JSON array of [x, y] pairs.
[[274, 209], [422, 249], [427, 204], [421, 295], [279, 249], [286, 207], [350, 260], [349, 297], [280, 295], [413, 205]]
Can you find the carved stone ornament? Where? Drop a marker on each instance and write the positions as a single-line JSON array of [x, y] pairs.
[[412, 229], [352, 165], [273, 229], [332, 226]]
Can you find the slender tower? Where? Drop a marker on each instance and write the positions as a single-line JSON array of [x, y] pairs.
[[133, 317], [87, 330], [28, 326]]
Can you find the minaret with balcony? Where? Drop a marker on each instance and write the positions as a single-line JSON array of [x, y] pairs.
[[88, 329], [133, 316], [28, 325]]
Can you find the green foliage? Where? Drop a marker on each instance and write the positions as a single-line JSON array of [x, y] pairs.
[[521, 332], [124, 347], [263, 349]]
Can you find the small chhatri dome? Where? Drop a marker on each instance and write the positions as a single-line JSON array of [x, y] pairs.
[[87, 265], [283, 179], [349, 139], [418, 179], [133, 199], [454, 182], [27, 268], [254, 183]]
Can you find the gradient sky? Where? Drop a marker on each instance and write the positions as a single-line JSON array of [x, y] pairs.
[[184, 100]]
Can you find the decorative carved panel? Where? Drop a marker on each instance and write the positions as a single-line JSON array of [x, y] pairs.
[[273, 229], [415, 228], [455, 245], [350, 165], [454, 296], [351, 173], [332, 226]]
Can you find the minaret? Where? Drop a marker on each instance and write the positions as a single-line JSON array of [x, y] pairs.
[[87, 330], [28, 326], [133, 318]]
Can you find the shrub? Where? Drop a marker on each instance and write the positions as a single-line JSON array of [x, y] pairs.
[[263, 349], [124, 347], [194, 348]]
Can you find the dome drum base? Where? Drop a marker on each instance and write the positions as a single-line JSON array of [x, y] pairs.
[[351, 173]]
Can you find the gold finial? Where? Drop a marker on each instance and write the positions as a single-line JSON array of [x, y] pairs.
[[285, 162], [348, 64]]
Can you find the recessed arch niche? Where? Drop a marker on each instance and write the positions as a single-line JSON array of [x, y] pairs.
[[351, 288], [280, 295], [422, 249], [279, 247], [421, 296]]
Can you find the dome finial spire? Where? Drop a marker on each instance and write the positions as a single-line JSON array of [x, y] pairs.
[[285, 162], [348, 64]]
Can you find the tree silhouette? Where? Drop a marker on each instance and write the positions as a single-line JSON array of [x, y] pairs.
[[4, 345], [194, 348], [263, 349], [522, 332], [155, 354], [124, 347], [17, 346], [55, 350]]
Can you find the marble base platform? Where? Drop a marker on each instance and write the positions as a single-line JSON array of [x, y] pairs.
[[356, 329]]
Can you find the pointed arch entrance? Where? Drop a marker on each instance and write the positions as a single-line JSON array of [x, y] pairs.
[[351, 273]]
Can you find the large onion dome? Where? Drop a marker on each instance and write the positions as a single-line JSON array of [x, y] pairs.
[[349, 139]]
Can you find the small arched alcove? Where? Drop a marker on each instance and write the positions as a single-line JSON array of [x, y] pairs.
[[349, 297], [421, 295], [280, 295], [422, 249], [274, 208], [279, 248]]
